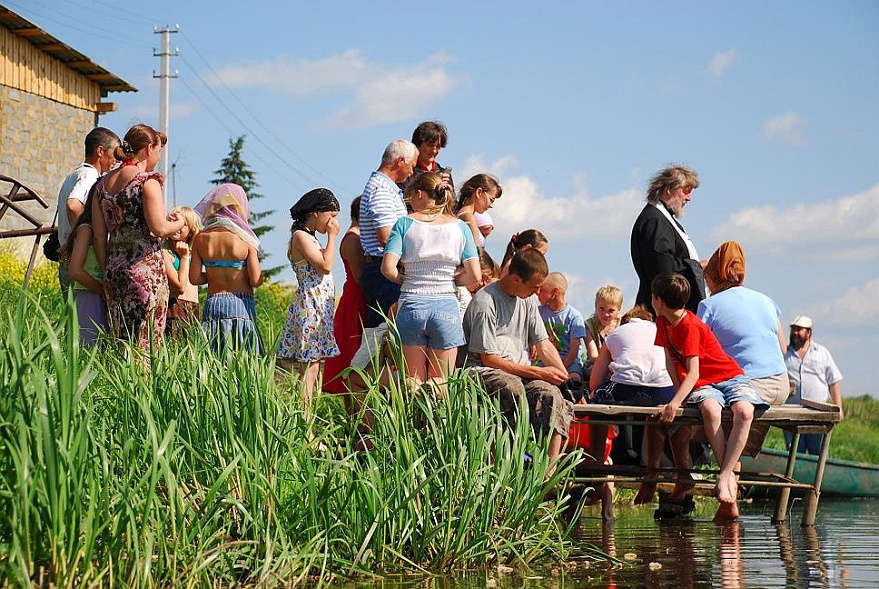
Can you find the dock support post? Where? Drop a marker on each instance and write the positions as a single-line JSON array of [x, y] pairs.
[[784, 493], [810, 508]]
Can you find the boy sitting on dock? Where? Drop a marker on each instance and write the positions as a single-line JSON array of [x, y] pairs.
[[703, 375], [566, 329]]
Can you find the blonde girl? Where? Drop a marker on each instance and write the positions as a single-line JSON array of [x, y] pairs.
[[183, 302], [432, 246]]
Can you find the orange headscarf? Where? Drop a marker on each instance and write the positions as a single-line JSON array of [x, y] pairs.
[[727, 265]]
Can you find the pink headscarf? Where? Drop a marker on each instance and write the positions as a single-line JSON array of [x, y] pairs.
[[227, 206]]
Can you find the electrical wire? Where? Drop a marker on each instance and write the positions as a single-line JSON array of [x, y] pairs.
[[235, 116], [231, 131], [91, 32], [277, 140]]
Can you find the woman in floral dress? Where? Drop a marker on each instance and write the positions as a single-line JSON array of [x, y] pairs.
[[308, 333], [129, 223]]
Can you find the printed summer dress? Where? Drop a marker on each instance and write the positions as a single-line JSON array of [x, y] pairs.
[[308, 332], [137, 286]]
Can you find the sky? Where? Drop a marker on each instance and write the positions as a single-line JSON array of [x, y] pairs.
[[572, 105]]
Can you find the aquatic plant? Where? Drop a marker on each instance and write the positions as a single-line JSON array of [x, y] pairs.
[[202, 470]]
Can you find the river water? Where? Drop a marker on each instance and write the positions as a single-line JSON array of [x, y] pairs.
[[841, 550]]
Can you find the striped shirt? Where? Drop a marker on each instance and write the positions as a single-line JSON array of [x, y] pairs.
[[380, 206]]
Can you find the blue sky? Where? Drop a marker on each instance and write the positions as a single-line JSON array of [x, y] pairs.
[[573, 105]]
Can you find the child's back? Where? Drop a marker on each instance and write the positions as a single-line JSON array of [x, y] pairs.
[[692, 337], [225, 259]]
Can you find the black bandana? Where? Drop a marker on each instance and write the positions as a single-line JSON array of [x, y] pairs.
[[319, 200]]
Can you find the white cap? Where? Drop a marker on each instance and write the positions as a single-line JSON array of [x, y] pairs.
[[483, 219], [802, 321]]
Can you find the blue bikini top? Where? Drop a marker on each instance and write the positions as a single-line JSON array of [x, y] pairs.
[[224, 263]]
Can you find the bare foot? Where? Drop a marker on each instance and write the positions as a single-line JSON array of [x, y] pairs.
[[647, 490], [681, 489], [726, 489], [726, 512]]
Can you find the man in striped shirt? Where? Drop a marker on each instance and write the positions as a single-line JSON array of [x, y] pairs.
[[380, 206]]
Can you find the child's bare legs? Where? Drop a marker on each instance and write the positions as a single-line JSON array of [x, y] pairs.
[[680, 452], [597, 442], [555, 448], [607, 498], [714, 433], [655, 438], [727, 486], [440, 364], [309, 372], [416, 362]]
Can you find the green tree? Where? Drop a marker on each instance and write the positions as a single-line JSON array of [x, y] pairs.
[[234, 169]]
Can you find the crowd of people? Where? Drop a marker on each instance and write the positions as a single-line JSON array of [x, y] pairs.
[[417, 275]]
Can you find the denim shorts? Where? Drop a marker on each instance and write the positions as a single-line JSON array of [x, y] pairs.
[[617, 393], [726, 393], [430, 321]]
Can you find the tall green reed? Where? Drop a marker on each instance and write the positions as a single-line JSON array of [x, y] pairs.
[[198, 468]]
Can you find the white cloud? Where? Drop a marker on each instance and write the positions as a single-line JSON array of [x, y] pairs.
[[721, 61], [562, 218], [381, 93], [858, 306], [842, 223], [787, 128]]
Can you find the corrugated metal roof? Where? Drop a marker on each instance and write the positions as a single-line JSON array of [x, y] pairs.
[[67, 55]]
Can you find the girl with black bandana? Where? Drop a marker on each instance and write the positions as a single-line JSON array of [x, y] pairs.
[[308, 333]]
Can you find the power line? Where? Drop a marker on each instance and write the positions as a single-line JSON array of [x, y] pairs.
[[91, 32], [129, 16], [244, 107], [235, 116], [230, 130]]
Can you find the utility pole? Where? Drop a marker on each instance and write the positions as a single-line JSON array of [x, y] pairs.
[[165, 77]]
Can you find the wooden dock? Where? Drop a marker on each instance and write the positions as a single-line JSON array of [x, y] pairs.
[[807, 418]]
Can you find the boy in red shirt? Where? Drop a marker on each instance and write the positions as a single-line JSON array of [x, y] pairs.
[[704, 375]]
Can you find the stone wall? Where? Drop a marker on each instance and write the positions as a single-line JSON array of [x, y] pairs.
[[41, 142]]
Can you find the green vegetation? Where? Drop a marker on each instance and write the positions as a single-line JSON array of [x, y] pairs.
[[855, 438], [202, 470]]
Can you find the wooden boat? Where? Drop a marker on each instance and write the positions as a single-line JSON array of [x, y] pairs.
[[842, 478]]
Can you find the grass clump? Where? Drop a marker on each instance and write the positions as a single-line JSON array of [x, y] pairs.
[[203, 471]]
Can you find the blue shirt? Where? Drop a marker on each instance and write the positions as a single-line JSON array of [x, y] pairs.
[[745, 322], [381, 204], [563, 326]]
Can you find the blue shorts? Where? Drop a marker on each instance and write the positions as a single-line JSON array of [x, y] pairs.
[[617, 393], [430, 321], [728, 392]]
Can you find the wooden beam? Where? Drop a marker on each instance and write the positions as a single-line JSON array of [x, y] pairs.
[[105, 107], [29, 32]]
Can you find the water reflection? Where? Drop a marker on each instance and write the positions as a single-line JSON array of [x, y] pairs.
[[840, 551]]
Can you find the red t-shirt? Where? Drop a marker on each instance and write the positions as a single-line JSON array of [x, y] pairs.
[[691, 337]]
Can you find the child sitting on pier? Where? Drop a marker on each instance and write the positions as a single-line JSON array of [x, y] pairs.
[[703, 375], [566, 330]]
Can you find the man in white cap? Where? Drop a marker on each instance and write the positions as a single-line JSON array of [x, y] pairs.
[[813, 375]]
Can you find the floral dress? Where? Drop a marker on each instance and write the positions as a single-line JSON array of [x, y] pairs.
[[137, 286], [308, 332]]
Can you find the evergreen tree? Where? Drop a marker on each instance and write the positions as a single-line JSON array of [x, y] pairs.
[[234, 169]]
